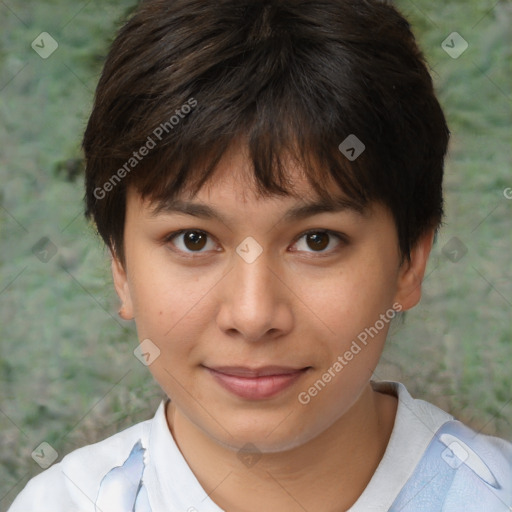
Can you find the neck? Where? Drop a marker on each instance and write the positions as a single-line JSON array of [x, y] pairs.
[[327, 474]]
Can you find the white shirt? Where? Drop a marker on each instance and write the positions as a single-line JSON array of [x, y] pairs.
[[431, 464]]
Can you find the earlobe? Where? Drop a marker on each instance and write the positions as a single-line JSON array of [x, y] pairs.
[[122, 288], [411, 272]]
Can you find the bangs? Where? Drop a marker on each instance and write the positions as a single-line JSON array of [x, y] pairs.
[[276, 138]]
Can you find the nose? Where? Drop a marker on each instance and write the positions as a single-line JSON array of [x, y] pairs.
[[255, 300]]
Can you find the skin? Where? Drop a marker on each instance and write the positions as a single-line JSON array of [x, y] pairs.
[[293, 306]]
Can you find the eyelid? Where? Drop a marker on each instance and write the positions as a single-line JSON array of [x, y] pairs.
[[168, 239], [337, 234], [344, 239]]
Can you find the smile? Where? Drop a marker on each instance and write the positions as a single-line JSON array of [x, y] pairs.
[[256, 384]]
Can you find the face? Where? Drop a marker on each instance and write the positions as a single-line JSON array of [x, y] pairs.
[[269, 325]]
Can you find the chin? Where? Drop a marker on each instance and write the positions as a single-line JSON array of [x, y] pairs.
[[267, 435], [261, 443]]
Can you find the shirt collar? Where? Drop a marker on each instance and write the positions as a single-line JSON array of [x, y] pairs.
[[171, 484]]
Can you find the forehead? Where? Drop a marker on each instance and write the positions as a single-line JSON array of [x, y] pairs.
[[233, 185], [233, 177]]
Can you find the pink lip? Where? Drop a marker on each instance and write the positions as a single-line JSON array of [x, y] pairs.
[[258, 383]]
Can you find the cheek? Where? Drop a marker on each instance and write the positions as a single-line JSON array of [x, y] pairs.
[[350, 304], [170, 303], [351, 298], [157, 291]]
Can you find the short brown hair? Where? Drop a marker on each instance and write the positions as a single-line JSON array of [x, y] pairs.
[[290, 77]]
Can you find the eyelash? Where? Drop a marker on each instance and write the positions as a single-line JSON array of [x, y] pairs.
[[343, 239]]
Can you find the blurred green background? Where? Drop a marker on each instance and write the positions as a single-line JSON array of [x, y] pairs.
[[68, 375]]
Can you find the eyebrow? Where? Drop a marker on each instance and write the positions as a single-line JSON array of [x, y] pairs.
[[299, 212]]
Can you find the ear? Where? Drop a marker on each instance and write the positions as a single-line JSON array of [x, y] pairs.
[[121, 285], [411, 272]]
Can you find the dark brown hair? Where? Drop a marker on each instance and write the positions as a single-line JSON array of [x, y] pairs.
[[185, 79]]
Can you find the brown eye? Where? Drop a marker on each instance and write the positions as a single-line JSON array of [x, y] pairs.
[[194, 240], [320, 241], [317, 241], [190, 241]]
